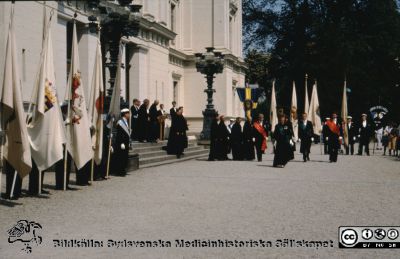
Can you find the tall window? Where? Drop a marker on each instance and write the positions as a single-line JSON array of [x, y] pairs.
[[175, 91], [173, 17], [69, 45], [230, 33]]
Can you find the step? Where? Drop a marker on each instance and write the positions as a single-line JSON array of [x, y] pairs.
[[159, 144], [171, 157], [166, 162], [155, 153], [154, 148]]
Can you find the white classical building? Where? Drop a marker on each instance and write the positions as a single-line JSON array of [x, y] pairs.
[[160, 61]]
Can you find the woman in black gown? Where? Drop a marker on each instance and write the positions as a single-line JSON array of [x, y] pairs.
[[248, 141], [177, 141], [283, 149], [213, 138], [237, 140]]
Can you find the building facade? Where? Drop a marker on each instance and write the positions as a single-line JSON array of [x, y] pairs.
[[158, 64]]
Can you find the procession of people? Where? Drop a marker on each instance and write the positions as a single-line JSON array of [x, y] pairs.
[[239, 139], [244, 142]]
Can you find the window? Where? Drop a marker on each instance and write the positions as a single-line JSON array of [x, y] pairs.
[[173, 17], [69, 45], [175, 91], [230, 33]]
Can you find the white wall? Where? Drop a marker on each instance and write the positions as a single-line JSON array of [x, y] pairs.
[[151, 74]]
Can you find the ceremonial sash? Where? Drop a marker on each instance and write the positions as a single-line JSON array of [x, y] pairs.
[[333, 127], [262, 131], [124, 126]]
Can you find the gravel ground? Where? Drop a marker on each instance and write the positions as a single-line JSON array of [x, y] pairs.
[[216, 200]]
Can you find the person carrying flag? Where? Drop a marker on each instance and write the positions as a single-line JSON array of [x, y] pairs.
[[122, 143]]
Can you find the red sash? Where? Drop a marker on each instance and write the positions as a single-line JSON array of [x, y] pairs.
[[333, 127], [262, 131]]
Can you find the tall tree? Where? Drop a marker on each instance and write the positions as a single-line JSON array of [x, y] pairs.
[[329, 40]]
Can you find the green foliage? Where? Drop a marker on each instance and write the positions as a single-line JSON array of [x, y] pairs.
[[329, 40]]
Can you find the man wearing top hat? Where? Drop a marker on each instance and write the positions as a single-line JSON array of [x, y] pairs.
[[364, 133], [122, 143], [352, 134]]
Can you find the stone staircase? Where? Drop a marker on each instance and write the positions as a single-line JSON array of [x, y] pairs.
[[152, 154]]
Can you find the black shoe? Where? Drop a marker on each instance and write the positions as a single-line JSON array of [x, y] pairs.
[[45, 192]]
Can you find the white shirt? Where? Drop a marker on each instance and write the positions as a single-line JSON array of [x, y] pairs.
[[364, 124]]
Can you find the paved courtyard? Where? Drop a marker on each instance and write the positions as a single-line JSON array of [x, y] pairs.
[[216, 200]]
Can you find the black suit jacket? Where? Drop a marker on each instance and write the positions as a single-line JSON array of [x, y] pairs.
[[365, 132], [153, 113], [134, 116], [172, 113], [352, 132], [307, 132]]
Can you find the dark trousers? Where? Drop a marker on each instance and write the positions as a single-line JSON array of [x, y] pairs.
[[34, 180], [305, 148], [120, 162], [350, 149], [10, 172], [333, 153], [83, 174], [306, 155], [366, 147], [59, 168], [258, 145], [326, 151]]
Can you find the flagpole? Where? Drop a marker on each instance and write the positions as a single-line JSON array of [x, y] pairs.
[[92, 171], [2, 161], [109, 148], [68, 117], [40, 181], [13, 184], [65, 166]]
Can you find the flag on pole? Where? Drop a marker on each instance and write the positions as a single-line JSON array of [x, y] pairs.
[[44, 28], [293, 112], [314, 112], [16, 150], [96, 105], [79, 142], [115, 104], [273, 111], [45, 124], [345, 114], [306, 103]]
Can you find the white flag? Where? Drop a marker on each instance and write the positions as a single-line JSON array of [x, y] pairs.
[[16, 150], [79, 142], [344, 115], [273, 111], [115, 108], [306, 103], [45, 126], [314, 112], [293, 112], [96, 104]]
